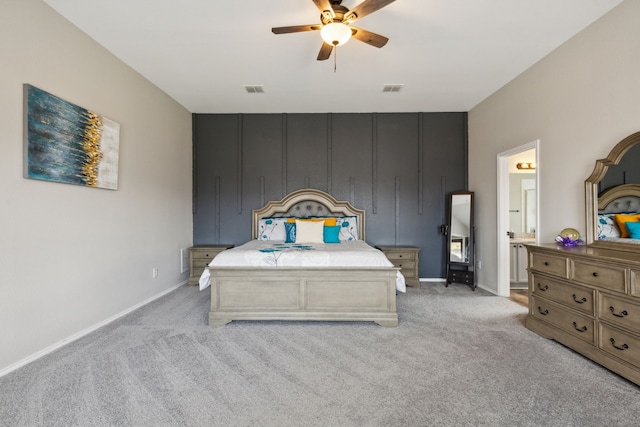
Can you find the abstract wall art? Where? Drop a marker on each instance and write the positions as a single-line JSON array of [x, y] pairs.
[[67, 143]]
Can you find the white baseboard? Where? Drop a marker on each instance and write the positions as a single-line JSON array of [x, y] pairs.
[[84, 332], [432, 279]]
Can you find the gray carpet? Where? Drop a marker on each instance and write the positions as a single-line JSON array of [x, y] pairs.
[[457, 358]]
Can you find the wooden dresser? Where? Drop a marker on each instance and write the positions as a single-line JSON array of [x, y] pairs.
[[199, 257], [589, 300], [406, 258]]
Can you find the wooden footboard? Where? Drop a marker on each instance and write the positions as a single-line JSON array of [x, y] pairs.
[[287, 293]]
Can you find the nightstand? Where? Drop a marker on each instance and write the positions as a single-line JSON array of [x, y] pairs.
[[199, 257], [405, 257]]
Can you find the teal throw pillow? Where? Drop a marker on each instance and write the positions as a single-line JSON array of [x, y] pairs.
[[331, 234], [634, 229]]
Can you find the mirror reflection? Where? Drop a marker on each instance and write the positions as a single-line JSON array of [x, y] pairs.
[[460, 228]]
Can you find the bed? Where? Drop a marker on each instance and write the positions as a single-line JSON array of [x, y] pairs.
[[619, 215], [282, 287]]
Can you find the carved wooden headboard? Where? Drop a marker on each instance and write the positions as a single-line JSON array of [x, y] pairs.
[[308, 202]]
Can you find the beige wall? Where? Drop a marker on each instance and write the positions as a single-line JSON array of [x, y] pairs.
[[72, 257], [579, 101]]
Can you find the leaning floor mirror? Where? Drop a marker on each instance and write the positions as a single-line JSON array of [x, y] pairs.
[[460, 239]]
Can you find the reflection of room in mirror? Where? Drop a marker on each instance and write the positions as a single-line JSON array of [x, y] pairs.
[[459, 227], [625, 172]]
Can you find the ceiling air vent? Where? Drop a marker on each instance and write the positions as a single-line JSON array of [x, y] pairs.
[[254, 88], [392, 88]]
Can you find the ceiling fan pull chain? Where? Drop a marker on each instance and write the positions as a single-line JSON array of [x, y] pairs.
[[335, 58]]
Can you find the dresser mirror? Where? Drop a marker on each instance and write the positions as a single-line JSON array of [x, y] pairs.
[[613, 188], [460, 238]]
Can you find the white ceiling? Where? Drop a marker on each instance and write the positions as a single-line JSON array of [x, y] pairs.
[[449, 54]]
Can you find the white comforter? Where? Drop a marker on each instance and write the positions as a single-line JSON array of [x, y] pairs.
[[270, 253]]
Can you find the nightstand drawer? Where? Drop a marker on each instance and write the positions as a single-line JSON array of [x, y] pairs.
[[200, 257], [400, 256], [405, 265], [405, 258]]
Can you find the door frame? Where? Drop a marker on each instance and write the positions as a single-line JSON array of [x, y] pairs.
[[502, 240]]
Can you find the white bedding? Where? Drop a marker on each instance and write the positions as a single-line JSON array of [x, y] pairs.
[[273, 254]]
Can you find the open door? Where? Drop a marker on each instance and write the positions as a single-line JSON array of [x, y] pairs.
[[528, 215]]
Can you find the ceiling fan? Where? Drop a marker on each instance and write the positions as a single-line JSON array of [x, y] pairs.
[[336, 28]]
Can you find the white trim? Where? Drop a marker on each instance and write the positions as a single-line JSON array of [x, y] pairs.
[[502, 213], [433, 279], [84, 332]]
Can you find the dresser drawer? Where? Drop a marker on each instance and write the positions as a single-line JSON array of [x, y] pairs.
[[576, 324], [620, 344], [550, 264], [619, 311], [576, 297], [600, 275]]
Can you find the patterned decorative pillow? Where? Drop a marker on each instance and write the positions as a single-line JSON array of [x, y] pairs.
[[348, 227], [271, 229], [607, 227], [290, 235]]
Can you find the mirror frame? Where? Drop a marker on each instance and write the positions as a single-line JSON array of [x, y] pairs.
[[591, 194], [471, 247]]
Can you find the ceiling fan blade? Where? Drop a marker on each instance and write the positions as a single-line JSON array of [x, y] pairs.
[[365, 8], [295, 29], [368, 37], [324, 6], [325, 52]]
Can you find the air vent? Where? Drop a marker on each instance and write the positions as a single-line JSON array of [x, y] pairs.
[[254, 88], [392, 88]]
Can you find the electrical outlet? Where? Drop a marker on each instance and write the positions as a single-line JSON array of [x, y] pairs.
[[479, 264], [154, 272], [184, 260]]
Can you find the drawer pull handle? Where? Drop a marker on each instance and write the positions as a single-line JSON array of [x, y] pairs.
[[544, 313], [546, 263], [583, 329], [622, 313], [622, 347], [595, 274], [579, 301], [542, 288]]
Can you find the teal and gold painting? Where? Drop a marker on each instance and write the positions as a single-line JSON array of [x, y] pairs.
[[67, 143]]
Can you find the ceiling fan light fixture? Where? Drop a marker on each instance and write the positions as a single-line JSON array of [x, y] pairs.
[[335, 33]]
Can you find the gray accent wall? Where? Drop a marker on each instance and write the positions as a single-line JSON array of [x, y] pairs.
[[398, 167]]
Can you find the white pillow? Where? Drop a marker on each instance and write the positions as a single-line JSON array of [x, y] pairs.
[[309, 231]]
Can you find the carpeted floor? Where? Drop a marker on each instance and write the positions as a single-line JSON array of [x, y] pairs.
[[458, 357]]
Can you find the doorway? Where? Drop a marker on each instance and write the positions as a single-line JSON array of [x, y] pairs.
[[517, 211]]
